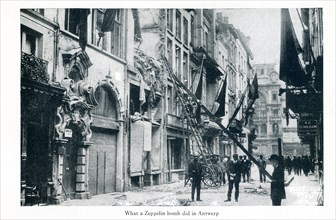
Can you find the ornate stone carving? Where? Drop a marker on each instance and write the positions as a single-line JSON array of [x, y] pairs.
[[74, 112], [77, 103]]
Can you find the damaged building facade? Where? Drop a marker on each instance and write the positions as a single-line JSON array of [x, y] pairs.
[[99, 112]]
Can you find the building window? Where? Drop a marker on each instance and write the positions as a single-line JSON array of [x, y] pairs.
[[178, 24], [185, 31], [262, 72], [31, 42], [263, 114], [274, 97], [98, 38], [170, 19], [39, 10], [223, 61], [72, 20], [235, 55], [256, 130], [106, 104], [176, 153], [263, 129], [192, 31], [275, 112], [170, 100], [185, 68], [170, 51], [178, 60], [116, 35], [206, 38]]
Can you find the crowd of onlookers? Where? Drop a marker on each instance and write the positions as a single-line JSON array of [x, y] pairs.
[[238, 169], [300, 165]]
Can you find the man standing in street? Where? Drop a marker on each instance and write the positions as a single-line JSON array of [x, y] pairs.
[[246, 169], [234, 177], [262, 163], [195, 171], [277, 183]]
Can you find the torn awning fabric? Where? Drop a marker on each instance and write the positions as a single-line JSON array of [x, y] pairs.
[[291, 70]]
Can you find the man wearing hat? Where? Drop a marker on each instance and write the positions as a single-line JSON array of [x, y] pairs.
[[277, 183], [234, 171], [195, 171]]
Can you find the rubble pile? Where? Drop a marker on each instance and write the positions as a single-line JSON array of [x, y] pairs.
[[256, 190]]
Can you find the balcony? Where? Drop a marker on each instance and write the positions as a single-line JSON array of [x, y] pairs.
[[34, 68]]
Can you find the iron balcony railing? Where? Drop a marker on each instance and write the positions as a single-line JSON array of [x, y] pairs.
[[34, 68]]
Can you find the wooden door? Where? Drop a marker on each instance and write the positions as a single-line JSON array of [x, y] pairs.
[[102, 162]]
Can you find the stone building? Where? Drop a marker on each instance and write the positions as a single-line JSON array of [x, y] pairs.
[[234, 56], [268, 110], [100, 112], [74, 145]]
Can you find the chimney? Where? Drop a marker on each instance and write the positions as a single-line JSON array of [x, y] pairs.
[[226, 20], [219, 16], [247, 39]]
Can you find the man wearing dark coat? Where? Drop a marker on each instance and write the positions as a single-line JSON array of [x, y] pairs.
[[234, 177], [278, 181], [262, 163], [246, 171], [195, 171]]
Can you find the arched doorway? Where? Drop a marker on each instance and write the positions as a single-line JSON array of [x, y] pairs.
[[103, 152]]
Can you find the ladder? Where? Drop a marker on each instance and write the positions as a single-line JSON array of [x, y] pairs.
[[187, 103], [184, 90]]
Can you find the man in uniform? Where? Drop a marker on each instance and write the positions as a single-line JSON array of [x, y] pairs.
[[195, 171]]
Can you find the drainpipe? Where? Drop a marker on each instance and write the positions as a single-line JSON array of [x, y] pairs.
[[56, 42], [126, 131]]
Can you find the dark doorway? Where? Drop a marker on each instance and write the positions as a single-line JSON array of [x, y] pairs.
[[69, 166], [37, 158]]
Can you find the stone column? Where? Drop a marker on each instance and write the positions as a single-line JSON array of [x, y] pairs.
[[119, 158], [82, 189], [58, 178]]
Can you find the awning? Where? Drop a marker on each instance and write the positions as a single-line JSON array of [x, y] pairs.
[[291, 70], [305, 103]]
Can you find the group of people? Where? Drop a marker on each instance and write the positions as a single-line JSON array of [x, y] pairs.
[[240, 168], [299, 164]]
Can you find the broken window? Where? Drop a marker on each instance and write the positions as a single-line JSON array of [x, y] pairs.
[[72, 20]]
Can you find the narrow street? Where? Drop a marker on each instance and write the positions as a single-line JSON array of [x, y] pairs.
[[302, 191]]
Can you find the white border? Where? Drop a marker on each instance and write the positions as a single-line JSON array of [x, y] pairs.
[[10, 117]]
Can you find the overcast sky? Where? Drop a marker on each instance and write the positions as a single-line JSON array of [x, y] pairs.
[[263, 26]]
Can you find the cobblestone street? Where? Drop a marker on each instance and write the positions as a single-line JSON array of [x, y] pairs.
[[302, 191]]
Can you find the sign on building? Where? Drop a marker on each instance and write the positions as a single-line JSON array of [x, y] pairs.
[[307, 127]]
